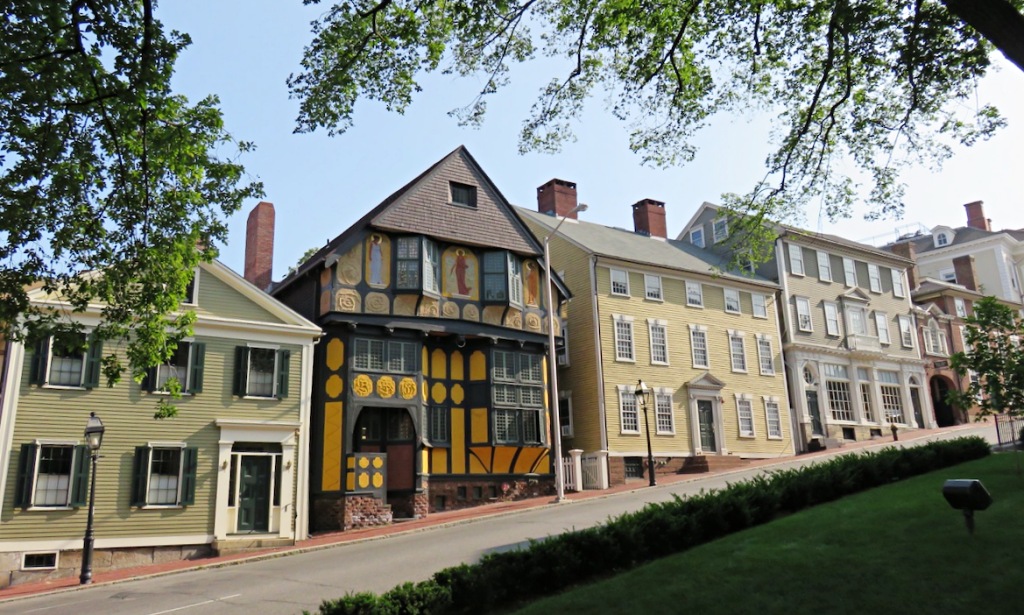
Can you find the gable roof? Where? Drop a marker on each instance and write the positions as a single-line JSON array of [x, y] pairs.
[[626, 245], [422, 207], [931, 286], [925, 242]]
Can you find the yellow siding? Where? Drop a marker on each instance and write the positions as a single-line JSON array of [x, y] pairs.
[[478, 420], [438, 365], [332, 446], [477, 366], [458, 366], [458, 441]]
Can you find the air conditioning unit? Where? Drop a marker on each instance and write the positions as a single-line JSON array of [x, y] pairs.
[[563, 359], [566, 431]]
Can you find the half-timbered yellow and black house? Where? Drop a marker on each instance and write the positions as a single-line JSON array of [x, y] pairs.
[[430, 391]]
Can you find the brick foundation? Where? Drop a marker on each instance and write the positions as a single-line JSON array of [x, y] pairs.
[[366, 511], [327, 513], [458, 493]]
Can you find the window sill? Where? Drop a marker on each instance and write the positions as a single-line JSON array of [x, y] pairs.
[[629, 433], [159, 506], [694, 305], [778, 438], [664, 363], [655, 299], [765, 317], [696, 366], [748, 436], [736, 312], [665, 433], [49, 508], [767, 373], [617, 359], [739, 371], [64, 387], [261, 398]]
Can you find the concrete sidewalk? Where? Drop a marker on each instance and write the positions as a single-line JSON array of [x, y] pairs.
[[454, 517]]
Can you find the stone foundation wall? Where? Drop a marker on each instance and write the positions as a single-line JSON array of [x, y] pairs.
[[69, 563]]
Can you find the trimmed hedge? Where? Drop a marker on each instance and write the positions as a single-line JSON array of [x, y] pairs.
[[551, 565]]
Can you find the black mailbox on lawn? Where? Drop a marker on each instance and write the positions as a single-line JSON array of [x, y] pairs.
[[968, 495]]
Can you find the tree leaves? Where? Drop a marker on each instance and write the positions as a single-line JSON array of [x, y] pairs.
[[993, 335]]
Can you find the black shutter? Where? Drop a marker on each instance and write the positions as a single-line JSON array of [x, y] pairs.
[[283, 367], [140, 475], [195, 377], [241, 370], [40, 362], [93, 359], [149, 380], [80, 475], [25, 483], [189, 458]]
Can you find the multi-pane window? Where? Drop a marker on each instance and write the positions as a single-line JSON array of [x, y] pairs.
[[186, 366], [837, 388], [765, 356], [720, 228], [515, 279], [385, 355], [831, 318], [462, 194], [737, 353], [892, 401], [941, 239], [503, 278], [856, 320], [745, 411], [760, 308], [960, 306], [620, 282], [73, 361], [824, 267], [164, 476], [865, 393], [261, 372], [803, 314], [732, 300], [659, 341], [623, 338], [694, 295], [849, 271], [935, 339], [699, 345], [906, 331], [629, 418], [663, 413], [898, 287], [882, 324], [796, 259], [874, 278], [518, 395], [652, 286], [51, 475], [773, 418], [697, 237], [439, 426], [431, 266], [407, 263], [948, 275]]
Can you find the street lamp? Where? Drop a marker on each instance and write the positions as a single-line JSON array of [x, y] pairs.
[[643, 396], [552, 359], [94, 438]]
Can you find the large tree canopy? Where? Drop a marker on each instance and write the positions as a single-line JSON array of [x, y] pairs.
[[992, 336], [112, 188], [861, 87]]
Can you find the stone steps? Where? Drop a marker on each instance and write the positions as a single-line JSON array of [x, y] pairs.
[[243, 544]]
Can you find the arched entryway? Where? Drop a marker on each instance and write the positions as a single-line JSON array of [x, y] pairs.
[[945, 413], [391, 431]]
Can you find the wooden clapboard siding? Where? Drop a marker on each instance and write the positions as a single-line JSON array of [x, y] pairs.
[[216, 298]]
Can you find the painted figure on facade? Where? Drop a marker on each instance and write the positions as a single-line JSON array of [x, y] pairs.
[[376, 261], [531, 280], [460, 272], [459, 269]]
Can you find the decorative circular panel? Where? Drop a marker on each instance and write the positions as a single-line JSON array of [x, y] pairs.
[[407, 388], [362, 385], [386, 387]]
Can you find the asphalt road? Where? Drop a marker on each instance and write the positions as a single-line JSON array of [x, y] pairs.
[[291, 583]]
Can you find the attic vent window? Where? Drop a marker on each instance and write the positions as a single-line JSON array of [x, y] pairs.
[[462, 194]]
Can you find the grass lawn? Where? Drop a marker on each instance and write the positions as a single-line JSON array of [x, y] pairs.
[[896, 549]]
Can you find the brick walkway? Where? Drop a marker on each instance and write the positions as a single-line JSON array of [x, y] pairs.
[[327, 540]]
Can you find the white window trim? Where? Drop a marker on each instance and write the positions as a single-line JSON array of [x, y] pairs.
[[903, 318], [651, 323], [959, 307], [810, 321], [771, 399], [700, 233], [882, 324], [948, 275], [740, 335], [611, 282], [749, 399], [796, 255], [56, 561], [899, 287], [835, 309], [824, 266], [616, 319], [194, 299], [764, 305], [277, 369], [661, 288], [149, 474], [40, 443], [736, 294], [628, 392], [761, 337], [874, 278], [849, 271], [700, 290], [714, 229], [707, 350], [664, 392]]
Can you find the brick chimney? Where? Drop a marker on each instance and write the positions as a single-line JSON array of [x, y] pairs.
[[907, 250], [966, 274], [259, 245], [649, 218], [976, 216], [557, 198]]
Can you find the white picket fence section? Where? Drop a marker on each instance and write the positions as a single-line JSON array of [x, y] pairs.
[[569, 477]]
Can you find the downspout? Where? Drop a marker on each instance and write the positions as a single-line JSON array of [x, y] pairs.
[[597, 350]]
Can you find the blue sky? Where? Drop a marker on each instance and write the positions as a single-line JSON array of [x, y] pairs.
[[244, 51]]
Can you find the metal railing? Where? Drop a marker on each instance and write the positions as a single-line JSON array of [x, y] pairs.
[[1008, 428]]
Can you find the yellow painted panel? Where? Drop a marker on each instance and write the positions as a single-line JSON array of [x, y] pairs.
[[438, 364], [527, 460], [478, 424], [425, 362], [458, 441], [331, 478], [477, 366], [458, 366], [439, 461], [457, 393], [438, 393], [476, 466], [503, 456], [335, 354], [334, 386]]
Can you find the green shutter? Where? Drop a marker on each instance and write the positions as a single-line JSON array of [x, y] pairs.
[[188, 475], [195, 377], [283, 367], [40, 361], [241, 370], [140, 475], [92, 364], [26, 475], [80, 475]]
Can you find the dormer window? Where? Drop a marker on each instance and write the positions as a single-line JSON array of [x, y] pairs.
[[503, 278], [462, 194], [697, 237], [941, 239]]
